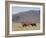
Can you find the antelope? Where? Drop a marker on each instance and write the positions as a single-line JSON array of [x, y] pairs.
[[27, 24]]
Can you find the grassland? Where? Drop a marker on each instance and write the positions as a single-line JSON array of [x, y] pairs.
[[19, 27]]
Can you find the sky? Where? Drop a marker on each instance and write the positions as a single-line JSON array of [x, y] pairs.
[[16, 10]]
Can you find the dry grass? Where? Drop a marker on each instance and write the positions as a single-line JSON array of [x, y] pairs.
[[19, 27]]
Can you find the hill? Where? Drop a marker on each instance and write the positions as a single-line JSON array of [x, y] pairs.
[[27, 16]]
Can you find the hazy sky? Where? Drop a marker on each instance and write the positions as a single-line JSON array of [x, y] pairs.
[[16, 10]]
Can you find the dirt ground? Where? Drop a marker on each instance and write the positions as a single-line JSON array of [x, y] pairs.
[[19, 27]]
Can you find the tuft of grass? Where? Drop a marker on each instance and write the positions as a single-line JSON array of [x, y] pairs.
[[19, 27]]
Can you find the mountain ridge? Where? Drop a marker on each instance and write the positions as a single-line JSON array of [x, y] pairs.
[[29, 16]]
